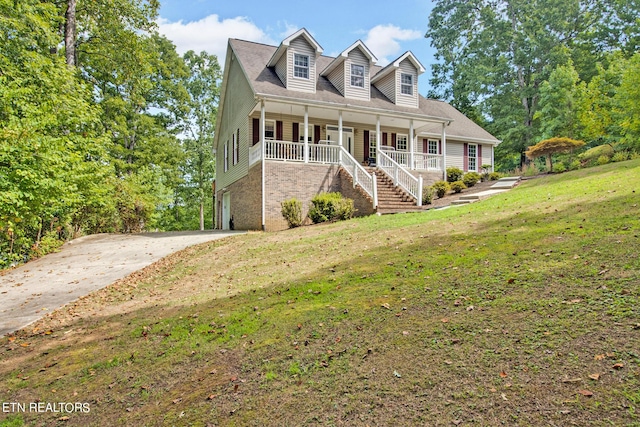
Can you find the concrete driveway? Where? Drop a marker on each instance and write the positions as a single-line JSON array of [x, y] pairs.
[[30, 291]]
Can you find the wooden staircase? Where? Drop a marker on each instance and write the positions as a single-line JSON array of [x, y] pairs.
[[392, 199]]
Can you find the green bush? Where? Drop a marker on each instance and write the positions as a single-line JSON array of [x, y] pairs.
[[559, 167], [494, 176], [292, 212], [330, 207], [594, 154], [458, 186], [441, 188], [454, 174], [575, 165], [427, 195], [620, 156], [471, 178], [603, 160]]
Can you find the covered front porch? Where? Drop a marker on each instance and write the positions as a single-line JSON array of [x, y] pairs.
[[308, 133]]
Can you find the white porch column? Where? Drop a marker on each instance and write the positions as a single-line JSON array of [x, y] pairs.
[[412, 147], [378, 135], [263, 149], [340, 135], [443, 138], [306, 134]]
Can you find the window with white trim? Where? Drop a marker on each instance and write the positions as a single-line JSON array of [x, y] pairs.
[[235, 147], [373, 139], [226, 156], [300, 66], [406, 84], [402, 142], [270, 129], [309, 132], [432, 147], [357, 75], [473, 157]]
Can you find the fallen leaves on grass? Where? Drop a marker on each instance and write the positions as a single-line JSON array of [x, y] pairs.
[[585, 393], [594, 377]]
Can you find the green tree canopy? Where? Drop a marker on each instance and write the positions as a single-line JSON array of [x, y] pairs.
[[551, 146]]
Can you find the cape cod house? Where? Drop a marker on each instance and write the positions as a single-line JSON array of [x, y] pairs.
[[293, 122]]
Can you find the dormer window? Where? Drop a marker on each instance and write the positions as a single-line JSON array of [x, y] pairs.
[[357, 75], [406, 84], [301, 66]]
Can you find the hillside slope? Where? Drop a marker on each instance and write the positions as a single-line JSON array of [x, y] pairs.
[[522, 309]]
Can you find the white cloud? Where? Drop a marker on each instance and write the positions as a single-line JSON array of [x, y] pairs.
[[383, 41], [211, 34], [288, 29]]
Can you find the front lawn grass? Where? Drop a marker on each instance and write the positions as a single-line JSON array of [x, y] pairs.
[[522, 309]]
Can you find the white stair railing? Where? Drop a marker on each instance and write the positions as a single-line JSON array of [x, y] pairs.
[[359, 175], [400, 176]]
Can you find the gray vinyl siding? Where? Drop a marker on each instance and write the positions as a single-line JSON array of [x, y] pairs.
[[301, 46], [407, 67], [235, 112], [337, 78], [455, 154], [387, 85], [356, 57], [281, 69]]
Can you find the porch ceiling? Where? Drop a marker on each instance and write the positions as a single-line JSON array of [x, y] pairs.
[[352, 116]]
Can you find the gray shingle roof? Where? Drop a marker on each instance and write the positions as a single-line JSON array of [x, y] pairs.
[[254, 56]]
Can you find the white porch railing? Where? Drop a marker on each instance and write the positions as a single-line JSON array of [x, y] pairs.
[[318, 153], [284, 150], [324, 153], [400, 176], [427, 161], [400, 157], [255, 153], [360, 175]]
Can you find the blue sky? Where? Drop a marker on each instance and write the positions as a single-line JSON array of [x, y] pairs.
[[388, 28]]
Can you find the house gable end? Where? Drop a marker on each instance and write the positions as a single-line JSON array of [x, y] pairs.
[[237, 99], [357, 71], [294, 61], [301, 66]]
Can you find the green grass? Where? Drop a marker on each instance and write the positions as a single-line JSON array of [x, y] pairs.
[[495, 313]]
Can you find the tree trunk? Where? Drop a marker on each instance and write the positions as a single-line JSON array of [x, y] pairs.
[[201, 216], [70, 33]]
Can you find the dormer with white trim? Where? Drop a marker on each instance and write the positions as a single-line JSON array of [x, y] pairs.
[[350, 72], [398, 81], [294, 61]]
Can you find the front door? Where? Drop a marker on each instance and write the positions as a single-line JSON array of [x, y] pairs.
[[226, 210], [347, 137]]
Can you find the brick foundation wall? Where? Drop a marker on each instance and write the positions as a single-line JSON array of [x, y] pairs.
[[285, 180], [303, 181], [428, 178], [246, 201]]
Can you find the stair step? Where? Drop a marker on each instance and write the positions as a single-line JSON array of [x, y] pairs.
[[461, 202]]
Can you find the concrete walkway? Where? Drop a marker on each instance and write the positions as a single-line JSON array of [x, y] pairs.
[[30, 291]]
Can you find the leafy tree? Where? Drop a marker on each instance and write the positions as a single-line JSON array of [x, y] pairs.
[[50, 143], [495, 55], [549, 147], [628, 100], [202, 85], [559, 102]]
